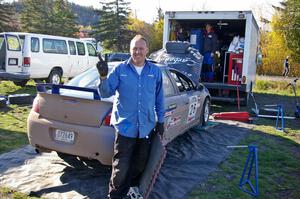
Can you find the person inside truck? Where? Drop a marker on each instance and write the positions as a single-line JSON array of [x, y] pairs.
[[210, 45], [132, 116]]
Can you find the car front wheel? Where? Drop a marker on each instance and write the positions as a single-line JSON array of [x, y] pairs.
[[205, 111]]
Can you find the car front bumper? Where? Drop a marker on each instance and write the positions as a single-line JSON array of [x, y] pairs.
[[90, 142]]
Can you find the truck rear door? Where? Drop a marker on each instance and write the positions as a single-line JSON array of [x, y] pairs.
[[13, 59]]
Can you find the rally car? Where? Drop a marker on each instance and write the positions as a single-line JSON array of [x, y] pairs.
[[72, 119]]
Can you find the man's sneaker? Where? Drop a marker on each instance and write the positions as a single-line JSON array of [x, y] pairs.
[[134, 193]]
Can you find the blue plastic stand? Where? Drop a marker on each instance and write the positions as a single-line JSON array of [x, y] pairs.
[[251, 161], [280, 113]]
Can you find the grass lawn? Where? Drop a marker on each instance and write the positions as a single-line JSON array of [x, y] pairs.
[[278, 152]]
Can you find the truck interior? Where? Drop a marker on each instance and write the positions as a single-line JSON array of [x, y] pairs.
[[2, 52], [225, 30]]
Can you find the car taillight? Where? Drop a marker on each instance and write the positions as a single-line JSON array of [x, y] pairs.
[[107, 119], [26, 61], [35, 105]]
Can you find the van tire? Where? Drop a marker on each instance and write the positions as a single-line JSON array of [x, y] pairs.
[[20, 99], [55, 77], [21, 83]]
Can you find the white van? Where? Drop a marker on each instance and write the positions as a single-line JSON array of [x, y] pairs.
[[25, 56]]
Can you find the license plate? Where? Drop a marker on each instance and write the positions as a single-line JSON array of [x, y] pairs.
[[64, 136]]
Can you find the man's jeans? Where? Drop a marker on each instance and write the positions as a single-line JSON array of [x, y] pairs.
[[128, 163]]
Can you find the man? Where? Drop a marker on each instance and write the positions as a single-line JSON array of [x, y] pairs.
[[210, 45], [138, 88], [286, 67]]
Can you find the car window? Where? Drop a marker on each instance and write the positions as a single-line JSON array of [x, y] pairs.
[[35, 44], [13, 43], [168, 86], [72, 47], [80, 48], [55, 46], [182, 82], [91, 50]]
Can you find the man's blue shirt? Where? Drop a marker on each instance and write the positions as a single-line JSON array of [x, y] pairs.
[[138, 98]]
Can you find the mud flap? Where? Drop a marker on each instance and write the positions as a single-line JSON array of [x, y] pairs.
[[156, 159]]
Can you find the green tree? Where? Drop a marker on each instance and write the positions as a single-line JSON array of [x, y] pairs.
[[48, 17], [157, 35], [290, 26], [112, 28], [63, 20], [6, 16]]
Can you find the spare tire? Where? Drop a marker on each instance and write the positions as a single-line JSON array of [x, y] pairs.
[[20, 99]]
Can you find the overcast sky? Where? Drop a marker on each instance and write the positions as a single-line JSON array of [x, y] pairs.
[[146, 10]]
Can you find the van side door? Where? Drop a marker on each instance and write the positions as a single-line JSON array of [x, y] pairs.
[[73, 59], [92, 55], [13, 60], [82, 58]]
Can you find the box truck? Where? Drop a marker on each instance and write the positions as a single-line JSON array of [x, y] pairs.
[[235, 60]]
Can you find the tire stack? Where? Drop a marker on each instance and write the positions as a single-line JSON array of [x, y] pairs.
[[20, 99]]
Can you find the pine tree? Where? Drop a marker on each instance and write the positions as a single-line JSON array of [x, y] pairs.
[[112, 26], [6, 13], [48, 17]]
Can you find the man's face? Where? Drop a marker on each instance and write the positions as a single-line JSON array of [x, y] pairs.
[[138, 51], [208, 28]]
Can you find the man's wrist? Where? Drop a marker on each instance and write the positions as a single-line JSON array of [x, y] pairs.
[[103, 77]]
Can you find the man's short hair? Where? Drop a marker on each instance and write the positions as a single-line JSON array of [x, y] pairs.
[[139, 37]]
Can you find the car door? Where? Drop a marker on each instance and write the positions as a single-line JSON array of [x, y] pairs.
[[190, 98], [174, 108], [13, 60]]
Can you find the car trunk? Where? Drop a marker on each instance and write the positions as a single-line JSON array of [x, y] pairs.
[[225, 30], [73, 110], [2, 52]]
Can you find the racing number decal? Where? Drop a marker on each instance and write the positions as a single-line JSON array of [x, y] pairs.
[[193, 105]]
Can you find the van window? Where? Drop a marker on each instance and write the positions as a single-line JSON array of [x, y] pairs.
[[80, 48], [22, 39], [35, 44], [91, 50], [13, 43], [1, 41], [55, 46], [72, 47]]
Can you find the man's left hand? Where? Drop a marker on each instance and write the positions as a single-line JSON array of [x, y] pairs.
[[159, 128]]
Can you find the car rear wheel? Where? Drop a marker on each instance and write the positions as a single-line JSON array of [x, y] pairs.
[[205, 111]]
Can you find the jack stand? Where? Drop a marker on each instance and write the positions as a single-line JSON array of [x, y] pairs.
[[252, 159], [280, 113]]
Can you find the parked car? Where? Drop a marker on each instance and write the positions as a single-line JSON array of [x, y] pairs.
[[25, 56], [116, 57], [72, 119]]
